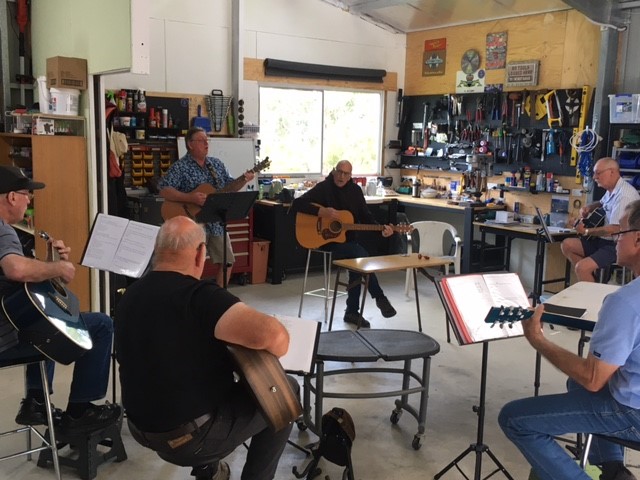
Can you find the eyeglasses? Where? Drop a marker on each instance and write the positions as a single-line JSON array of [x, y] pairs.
[[201, 140], [28, 194], [599, 172], [616, 236], [342, 172]]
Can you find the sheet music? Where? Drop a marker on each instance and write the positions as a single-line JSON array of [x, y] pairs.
[[119, 245], [474, 295], [303, 342]]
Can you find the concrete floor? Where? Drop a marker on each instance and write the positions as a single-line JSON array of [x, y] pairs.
[[381, 450]]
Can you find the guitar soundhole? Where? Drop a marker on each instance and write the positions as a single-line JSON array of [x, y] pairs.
[[335, 227], [60, 290]]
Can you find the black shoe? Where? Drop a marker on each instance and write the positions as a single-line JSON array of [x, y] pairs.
[[204, 472], [94, 418], [385, 307], [354, 318], [619, 472], [33, 412]]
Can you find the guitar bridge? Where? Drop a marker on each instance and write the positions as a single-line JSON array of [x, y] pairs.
[[60, 303]]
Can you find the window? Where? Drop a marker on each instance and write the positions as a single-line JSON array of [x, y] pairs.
[[308, 131]]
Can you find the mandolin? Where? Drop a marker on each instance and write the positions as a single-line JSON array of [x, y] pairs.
[[314, 232], [172, 209]]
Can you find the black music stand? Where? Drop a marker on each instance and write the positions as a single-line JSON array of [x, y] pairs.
[[222, 207], [479, 447]]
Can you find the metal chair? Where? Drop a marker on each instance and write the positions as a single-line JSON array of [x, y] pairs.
[[587, 445], [324, 292], [48, 442]]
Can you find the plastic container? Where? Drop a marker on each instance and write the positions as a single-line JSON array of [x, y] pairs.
[[624, 108], [65, 101]]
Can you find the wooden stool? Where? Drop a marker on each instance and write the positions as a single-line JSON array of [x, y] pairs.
[[87, 457]]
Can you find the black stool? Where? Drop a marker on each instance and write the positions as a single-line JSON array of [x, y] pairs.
[[620, 441], [88, 456]]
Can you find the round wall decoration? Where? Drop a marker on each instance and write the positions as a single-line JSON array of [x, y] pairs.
[[470, 61]]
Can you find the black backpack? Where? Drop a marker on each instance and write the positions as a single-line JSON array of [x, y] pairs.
[[336, 440]]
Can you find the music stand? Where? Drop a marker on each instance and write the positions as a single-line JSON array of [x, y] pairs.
[[479, 447], [222, 207]]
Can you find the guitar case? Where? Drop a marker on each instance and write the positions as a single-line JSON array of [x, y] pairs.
[[336, 440]]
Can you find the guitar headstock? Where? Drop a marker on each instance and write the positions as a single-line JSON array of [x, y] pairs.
[[508, 315], [263, 165], [403, 228]]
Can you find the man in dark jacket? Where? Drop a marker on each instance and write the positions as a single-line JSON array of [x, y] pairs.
[[338, 192]]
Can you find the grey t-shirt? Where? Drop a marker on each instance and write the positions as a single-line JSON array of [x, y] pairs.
[[9, 245]]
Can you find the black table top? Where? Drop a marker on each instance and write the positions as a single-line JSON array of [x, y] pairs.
[[371, 345]]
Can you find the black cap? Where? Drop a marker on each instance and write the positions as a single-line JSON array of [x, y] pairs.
[[13, 179]]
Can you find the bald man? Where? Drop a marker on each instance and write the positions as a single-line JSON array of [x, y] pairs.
[[176, 374], [589, 254], [339, 192]]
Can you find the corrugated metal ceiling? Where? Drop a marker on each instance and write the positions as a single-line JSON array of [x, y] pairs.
[[416, 15]]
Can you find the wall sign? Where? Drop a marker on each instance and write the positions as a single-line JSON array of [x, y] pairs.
[[522, 74], [496, 50], [434, 57]]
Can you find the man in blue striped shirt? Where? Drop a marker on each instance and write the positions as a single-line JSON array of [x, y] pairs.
[[595, 249]]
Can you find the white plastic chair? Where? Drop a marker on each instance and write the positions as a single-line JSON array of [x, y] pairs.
[[436, 239]]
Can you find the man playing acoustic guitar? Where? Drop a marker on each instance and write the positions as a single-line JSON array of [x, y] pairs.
[[178, 378], [91, 370], [181, 183], [596, 249], [338, 192]]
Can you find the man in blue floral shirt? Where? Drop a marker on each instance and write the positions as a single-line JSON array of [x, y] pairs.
[[191, 171]]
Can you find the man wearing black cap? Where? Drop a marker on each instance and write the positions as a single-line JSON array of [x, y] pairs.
[[91, 371]]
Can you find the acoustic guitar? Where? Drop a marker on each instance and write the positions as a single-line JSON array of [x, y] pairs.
[[263, 375], [508, 315], [314, 232], [593, 222], [172, 209], [47, 315]]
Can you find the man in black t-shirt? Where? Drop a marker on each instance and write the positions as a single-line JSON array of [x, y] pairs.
[[176, 374]]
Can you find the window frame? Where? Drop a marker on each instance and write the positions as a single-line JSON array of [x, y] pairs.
[[323, 89]]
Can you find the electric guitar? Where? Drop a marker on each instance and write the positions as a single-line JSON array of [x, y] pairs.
[[593, 222], [47, 315], [508, 315], [314, 232], [263, 375], [172, 209]]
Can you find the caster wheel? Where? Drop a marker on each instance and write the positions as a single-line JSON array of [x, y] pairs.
[[301, 425], [395, 416], [417, 442]]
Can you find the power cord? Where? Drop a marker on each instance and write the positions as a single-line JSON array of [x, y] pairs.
[[584, 143]]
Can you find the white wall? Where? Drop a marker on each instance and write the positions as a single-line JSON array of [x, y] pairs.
[[191, 45]]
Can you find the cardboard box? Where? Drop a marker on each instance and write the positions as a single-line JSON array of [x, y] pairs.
[[67, 72]]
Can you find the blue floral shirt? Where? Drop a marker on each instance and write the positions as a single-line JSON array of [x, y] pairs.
[[186, 175]]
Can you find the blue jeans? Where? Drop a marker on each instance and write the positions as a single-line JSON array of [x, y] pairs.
[[341, 251], [531, 423], [90, 372]]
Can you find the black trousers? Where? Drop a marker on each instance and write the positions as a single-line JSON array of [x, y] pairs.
[[234, 423]]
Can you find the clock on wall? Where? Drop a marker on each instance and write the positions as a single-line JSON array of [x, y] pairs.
[[470, 62]]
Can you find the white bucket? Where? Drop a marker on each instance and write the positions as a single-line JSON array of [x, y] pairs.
[[65, 101]]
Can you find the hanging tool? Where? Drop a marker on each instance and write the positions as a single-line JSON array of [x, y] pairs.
[[584, 102], [515, 97], [554, 109], [22, 17]]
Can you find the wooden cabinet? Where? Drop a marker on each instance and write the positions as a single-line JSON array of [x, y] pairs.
[[61, 208]]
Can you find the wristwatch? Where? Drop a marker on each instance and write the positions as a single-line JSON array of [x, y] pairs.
[[586, 231]]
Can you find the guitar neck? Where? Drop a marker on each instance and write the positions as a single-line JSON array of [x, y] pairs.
[[233, 186], [368, 227]]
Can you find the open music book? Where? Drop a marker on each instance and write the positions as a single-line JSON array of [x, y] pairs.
[[469, 298], [119, 245], [303, 344]]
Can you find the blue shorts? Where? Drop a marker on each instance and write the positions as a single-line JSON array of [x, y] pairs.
[[601, 251]]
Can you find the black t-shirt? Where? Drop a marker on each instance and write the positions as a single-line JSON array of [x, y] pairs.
[[172, 369]]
